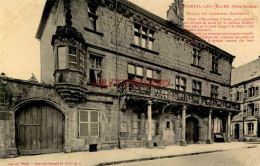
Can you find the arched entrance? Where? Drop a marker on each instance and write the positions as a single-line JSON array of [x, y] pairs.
[[39, 129], [192, 130]]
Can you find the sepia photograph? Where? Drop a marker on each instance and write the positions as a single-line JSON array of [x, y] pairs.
[[129, 82]]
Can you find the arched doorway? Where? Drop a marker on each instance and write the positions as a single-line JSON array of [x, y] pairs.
[[192, 130], [39, 129]]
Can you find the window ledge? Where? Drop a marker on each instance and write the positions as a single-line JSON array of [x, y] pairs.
[[145, 49], [202, 68], [215, 72], [93, 31]]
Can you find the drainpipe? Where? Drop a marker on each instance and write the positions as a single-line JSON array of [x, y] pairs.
[[118, 95]]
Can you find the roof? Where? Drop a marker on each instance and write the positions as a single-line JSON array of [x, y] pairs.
[[246, 73], [50, 3]]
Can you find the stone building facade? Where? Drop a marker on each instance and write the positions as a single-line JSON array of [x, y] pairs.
[[115, 76], [245, 90]]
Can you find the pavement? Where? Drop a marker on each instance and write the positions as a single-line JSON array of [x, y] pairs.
[[121, 156]]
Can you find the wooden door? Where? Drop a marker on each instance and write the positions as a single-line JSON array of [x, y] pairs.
[[28, 125], [39, 129], [192, 130]]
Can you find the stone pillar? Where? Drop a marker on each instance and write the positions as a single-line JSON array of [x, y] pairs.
[[209, 141], [149, 120], [229, 127], [183, 126]]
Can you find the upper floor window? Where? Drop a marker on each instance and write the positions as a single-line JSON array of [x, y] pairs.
[[2, 94], [238, 96], [180, 83], [81, 60], [152, 76], [92, 17], [244, 111], [196, 57], [215, 60], [214, 91], [72, 57], [88, 123], [143, 37], [196, 87], [76, 58], [95, 72], [135, 72], [62, 57], [250, 109]]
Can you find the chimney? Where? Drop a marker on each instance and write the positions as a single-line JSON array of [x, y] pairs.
[[175, 14]]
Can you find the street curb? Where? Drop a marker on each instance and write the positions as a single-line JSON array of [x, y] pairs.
[[158, 157]]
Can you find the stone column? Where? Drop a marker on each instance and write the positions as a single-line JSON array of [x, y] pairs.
[[229, 127], [209, 141], [149, 120], [183, 126]]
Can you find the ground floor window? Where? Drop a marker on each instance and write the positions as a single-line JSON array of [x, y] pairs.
[[250, 129], [88, 123]]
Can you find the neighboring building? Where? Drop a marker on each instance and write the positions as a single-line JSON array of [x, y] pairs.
[[83, 43], [245, 90]]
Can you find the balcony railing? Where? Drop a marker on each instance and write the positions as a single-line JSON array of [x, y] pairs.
[[167, 94]]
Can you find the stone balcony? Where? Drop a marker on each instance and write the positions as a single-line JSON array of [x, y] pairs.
[[142, 91]]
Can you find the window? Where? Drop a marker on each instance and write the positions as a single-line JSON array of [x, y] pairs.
[[216, 125], [237, 96], [250, 109], [196, 87], [143, 37], [62, 57], [95, 72], [135, 72], [196, 57], [245, 111], [92, 17], [168, 125], [214, 91], [88, 123], [180, 83], [245, 93], [250, 128], [81, 60], [152, 76], [215, 64], [251, 92], [72, 58], [2, 94]]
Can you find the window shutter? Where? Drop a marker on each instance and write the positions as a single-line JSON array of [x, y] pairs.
[[245, 128], [256, 109], [245, 93], [257, 91]]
